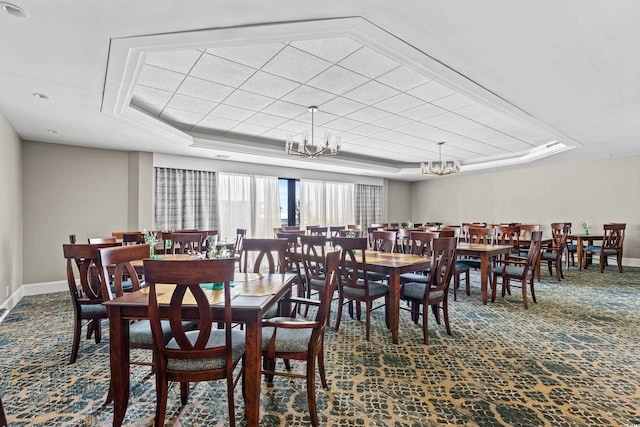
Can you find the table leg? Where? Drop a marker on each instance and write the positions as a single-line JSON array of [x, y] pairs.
[[579, 252], [393, 309], [119, 359], [484, 276], [253, 369]]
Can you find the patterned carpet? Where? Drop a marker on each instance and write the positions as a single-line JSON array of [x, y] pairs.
[[570, 360]]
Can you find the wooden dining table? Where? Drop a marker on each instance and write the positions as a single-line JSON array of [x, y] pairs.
[[253, 295], [393, 264], [580, 239], [485, 253]]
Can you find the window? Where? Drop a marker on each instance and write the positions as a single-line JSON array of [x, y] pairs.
[[289, 201]]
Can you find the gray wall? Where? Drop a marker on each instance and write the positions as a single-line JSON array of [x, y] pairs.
[[397, 202], [69, 190], [597, 192], [10, 211]]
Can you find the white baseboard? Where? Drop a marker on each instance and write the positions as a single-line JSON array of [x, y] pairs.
[[34, 289]]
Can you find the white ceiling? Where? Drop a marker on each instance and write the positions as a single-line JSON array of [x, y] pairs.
[[493, 80]]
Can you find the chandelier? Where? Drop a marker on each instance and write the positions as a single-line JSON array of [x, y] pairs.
[[306, 148], [439, 167]]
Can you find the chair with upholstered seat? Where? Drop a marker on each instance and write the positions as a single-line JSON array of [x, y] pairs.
[[435, 292], [116, 268], [263, 256], [299, 339], [87, 295], [205, 354], [313, 250], [355, 286], [612, 245], [519, 269], [553, 253], [292, 260], [479, 235], [421, 246]]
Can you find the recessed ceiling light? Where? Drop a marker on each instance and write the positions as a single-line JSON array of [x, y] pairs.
[[40, 95], [52, 131], [13, 10]]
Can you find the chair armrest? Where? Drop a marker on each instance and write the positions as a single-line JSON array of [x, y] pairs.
[[300, 300]]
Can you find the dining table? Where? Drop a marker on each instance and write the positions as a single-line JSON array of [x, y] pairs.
[[253, 294], [580, 240], [393, 264], [485, 252]]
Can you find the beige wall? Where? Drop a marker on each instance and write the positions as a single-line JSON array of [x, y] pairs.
[[69, 190], [598, 192], [10, 211], [397, 201]]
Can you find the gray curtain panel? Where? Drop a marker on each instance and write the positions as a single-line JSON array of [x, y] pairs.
[[368, 205], [186, 199]]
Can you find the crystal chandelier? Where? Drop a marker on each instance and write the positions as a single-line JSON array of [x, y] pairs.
[[306, 148], [439, 167]]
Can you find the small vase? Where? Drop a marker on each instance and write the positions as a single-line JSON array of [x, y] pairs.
[[152, 251], [586, 232]]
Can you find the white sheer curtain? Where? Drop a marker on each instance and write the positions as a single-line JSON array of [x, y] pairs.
[[326, 203], [248, 201]]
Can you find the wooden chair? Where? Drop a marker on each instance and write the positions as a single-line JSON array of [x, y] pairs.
[[612, 245], [3, 416], [351, 232], [241, 233], [553, 253], [420, 245], [518, 268], [96, 240], [480, 235], [434, 293], [354, 283], [508, 235], [299, 339], [263, 256], [136, 238], [313, 249], [460, 267], [204, 354], [116, 268], [384, 241], [119, 235], [290, 228], [72, 239], [184, 242], [571, 248], [525, 234], [292, 260], [403, 241], [334, 231], [318, 231], [87, 296]]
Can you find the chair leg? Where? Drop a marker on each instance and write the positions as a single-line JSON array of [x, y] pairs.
[[75, 345], [425, 325], [97, 325], [162, 389], [339, 314], [456, 285], [367, 307], [533, 291], [619, 259], [524, 293], [230, 401], [184, 393], [445, 315], [436, 313], [311, 391], [323, 376]]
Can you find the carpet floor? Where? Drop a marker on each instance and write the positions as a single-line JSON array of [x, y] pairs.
[[572, 359]]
